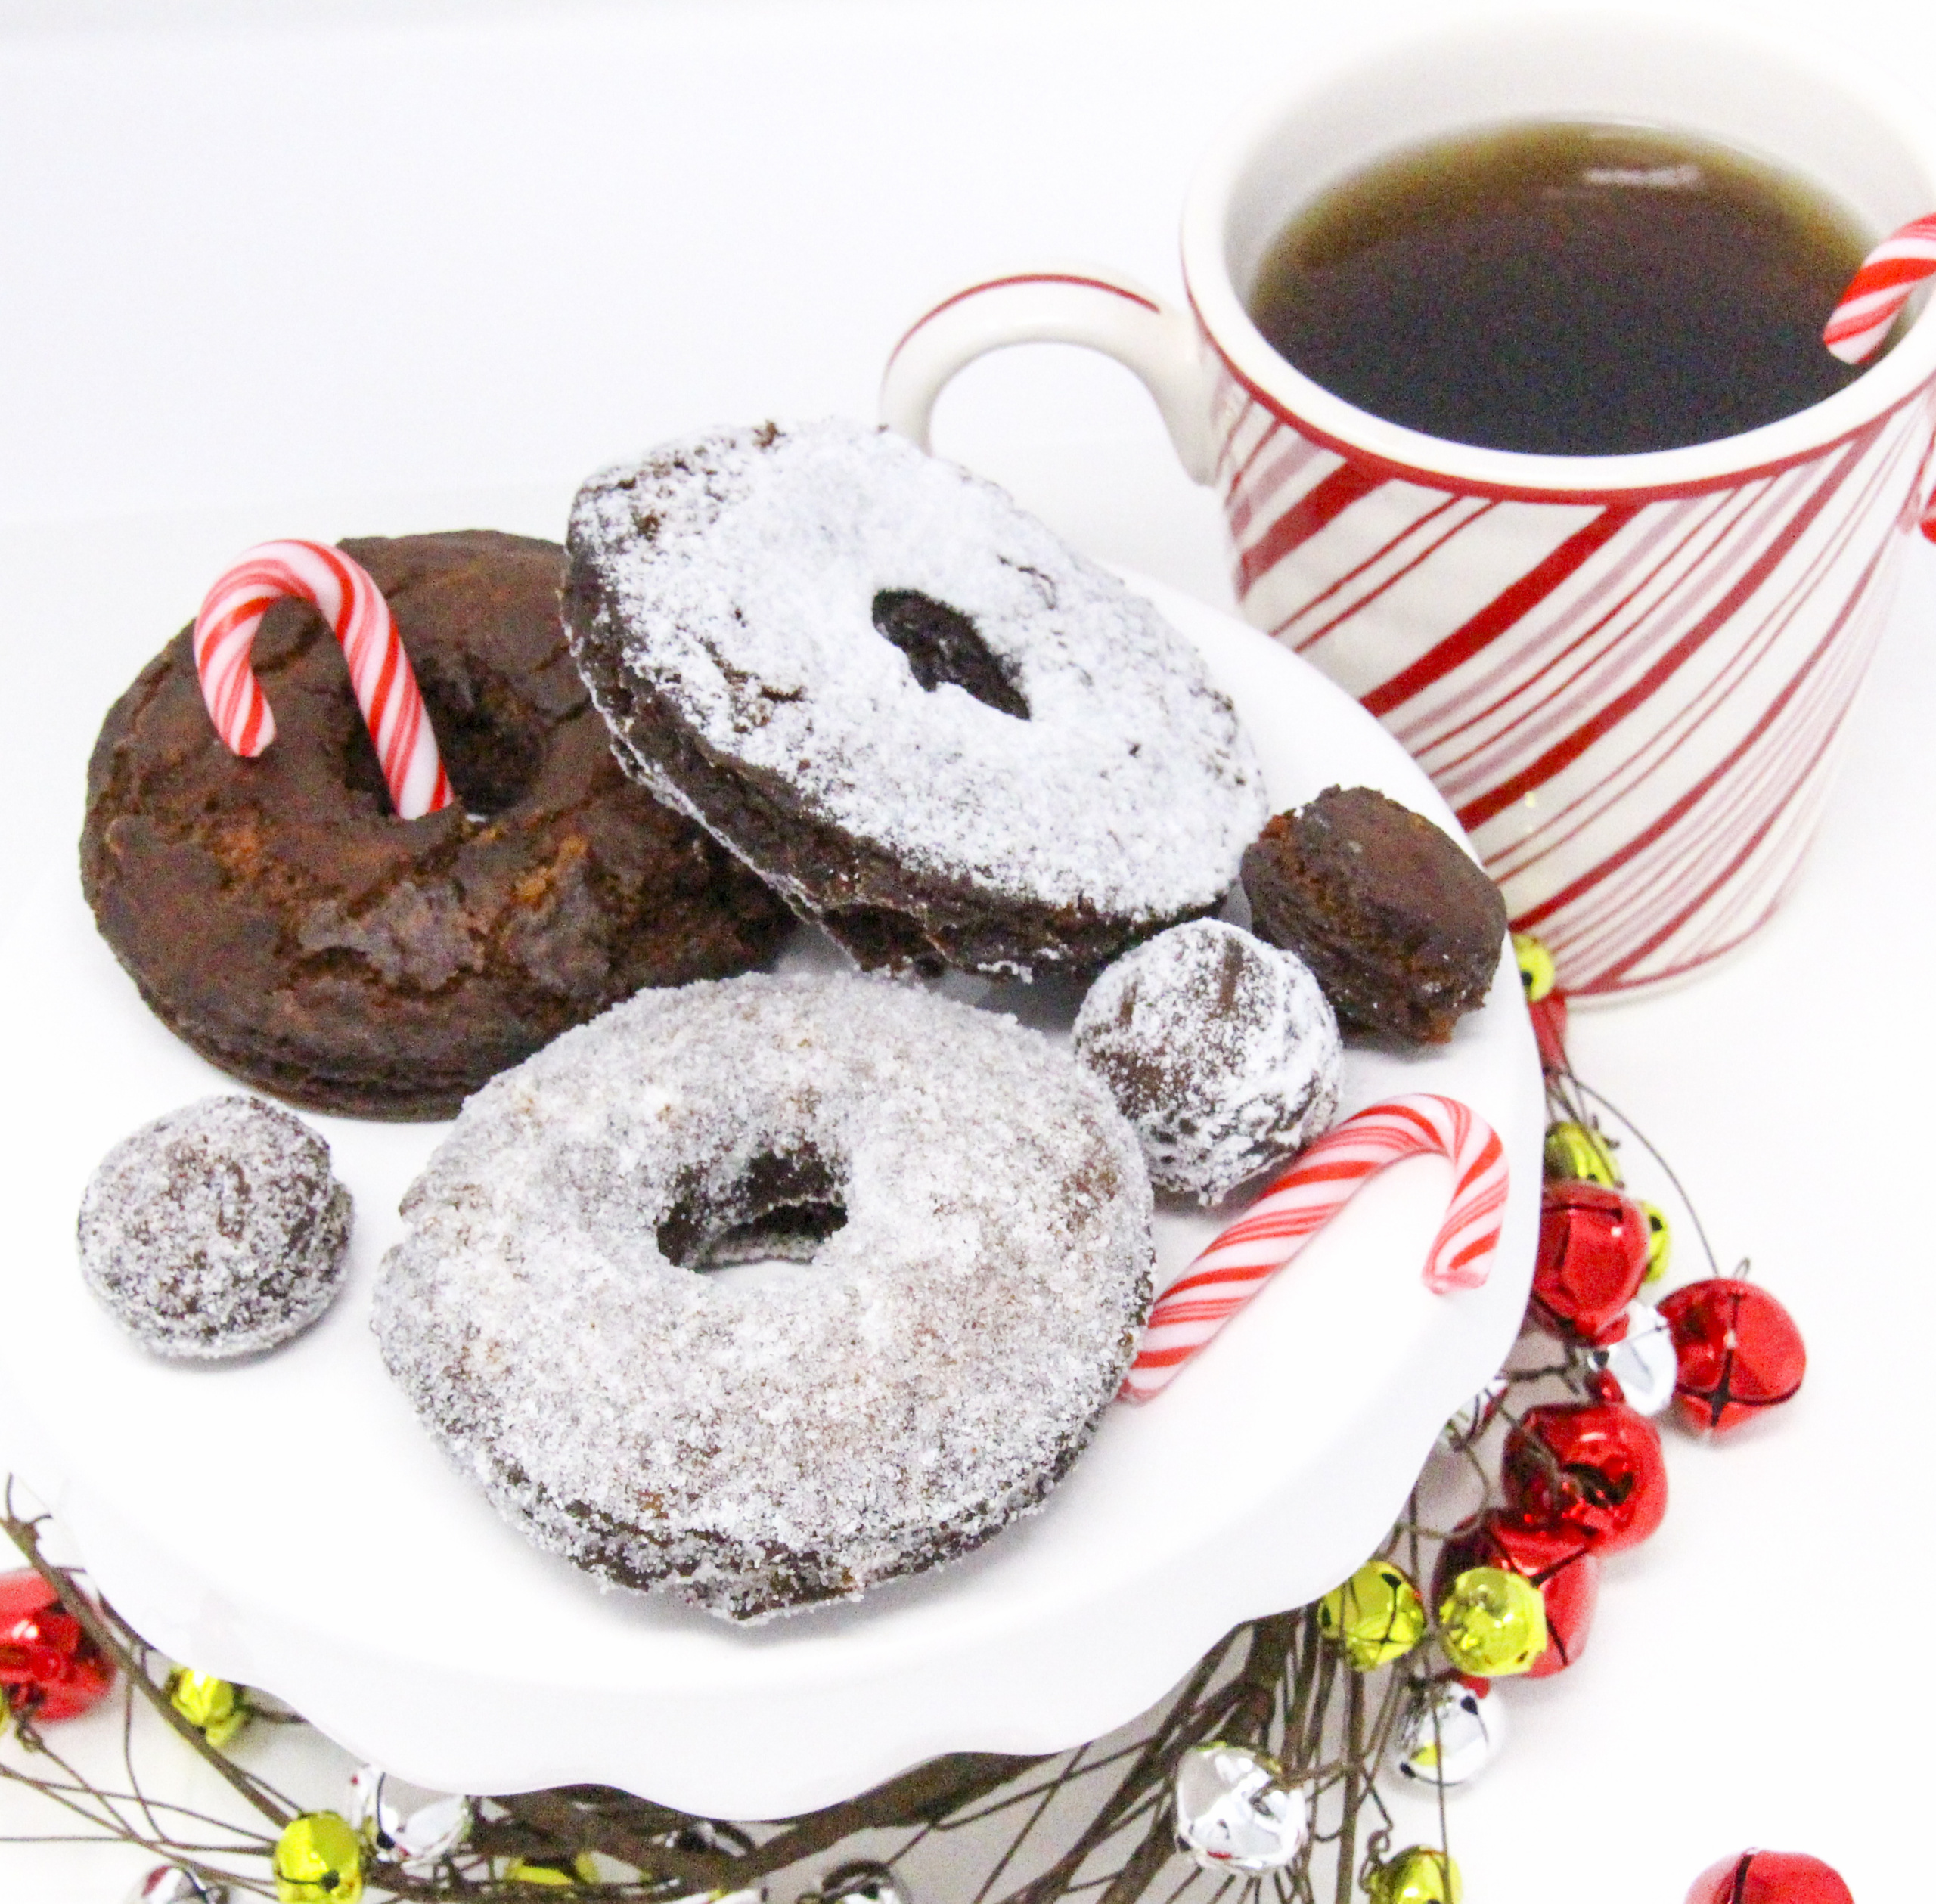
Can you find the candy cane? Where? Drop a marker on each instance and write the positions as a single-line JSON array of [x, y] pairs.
[[1309, 1194], [1880, 289], [380, 672]]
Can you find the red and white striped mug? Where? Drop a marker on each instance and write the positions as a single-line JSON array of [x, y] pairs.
[[1628, 674]]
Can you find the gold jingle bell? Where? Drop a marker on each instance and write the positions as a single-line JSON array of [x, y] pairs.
[[1574, 1152], [566, 1873], [1537, 973], [318, 1860], [1660, 1241], [1377, 1615], [1417, 1876], [1492, 1623], [215, 1707]]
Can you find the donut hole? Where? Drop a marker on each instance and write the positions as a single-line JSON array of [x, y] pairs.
[[492, 742], [757, 1226], [942, 644]]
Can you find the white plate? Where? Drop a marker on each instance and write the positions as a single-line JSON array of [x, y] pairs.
[[287, 1524]]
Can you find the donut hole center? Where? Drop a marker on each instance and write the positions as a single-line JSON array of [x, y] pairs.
[[765, 1225], [492, 745], [943, 645]]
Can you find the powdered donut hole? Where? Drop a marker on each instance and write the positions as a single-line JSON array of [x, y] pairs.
[[1219, 1048], [977, 1215], [217, 1230]]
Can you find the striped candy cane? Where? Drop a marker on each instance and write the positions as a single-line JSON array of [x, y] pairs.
[[343, 592], [1309, 1194], [1879, 290]]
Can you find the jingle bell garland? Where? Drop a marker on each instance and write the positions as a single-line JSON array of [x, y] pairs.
[[1576, 1153], [1639, 1367], [864, 1881], [1538, 975], [414, 1840], [172, 1884], [1592, 1259], [560, 1873], [213, 1707], [1492, 1623], [1452, 1731], [51, 1668], [1660, 1241], [1596, 1467], [1235, 1810], [1738, 1353], [1376, 1617], [318, 1859], [1770, 1878], [1417, 1875]]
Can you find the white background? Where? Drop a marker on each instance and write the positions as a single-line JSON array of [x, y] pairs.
[[318, 270]]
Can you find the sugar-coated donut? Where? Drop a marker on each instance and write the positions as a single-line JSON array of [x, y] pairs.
[[920, 717], [1219, 1048], [977, 1218], [217, 1230], [278, 916]]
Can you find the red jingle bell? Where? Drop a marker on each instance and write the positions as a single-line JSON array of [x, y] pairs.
[[48, 1666], [1593, 1258], [1770, 1878], [1595, 1467], [1548, 1017], [1556, 1559], [1739, 1352]]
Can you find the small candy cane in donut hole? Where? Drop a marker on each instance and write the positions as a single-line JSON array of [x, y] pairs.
[[1309, 1194], [343, 592]]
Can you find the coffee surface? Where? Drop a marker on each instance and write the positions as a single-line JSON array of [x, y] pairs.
[[1568, 288]]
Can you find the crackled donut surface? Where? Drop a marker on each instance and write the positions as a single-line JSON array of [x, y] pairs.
[[970, 1216], [918, 715], [280, 918]]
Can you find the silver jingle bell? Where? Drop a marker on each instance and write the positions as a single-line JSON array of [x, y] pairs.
[[1643, 1361], [1450, 1734], [170, 1884], [1471, 1421], [862, 1882], [1236, 1812], [418, 1836]]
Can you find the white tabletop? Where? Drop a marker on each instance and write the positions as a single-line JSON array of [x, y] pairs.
[[257, 261]]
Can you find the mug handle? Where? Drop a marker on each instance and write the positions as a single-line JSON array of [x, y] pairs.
[[1098, 308]]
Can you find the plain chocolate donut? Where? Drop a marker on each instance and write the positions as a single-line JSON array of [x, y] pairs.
[[278, 917]]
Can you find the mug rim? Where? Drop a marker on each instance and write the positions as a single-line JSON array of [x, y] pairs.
[[1399, 452]]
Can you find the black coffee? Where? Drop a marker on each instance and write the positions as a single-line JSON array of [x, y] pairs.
[[1579, 290]]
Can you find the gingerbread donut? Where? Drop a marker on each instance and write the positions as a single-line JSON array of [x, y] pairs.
[[279, 917], [915, 712], [977, 1216]]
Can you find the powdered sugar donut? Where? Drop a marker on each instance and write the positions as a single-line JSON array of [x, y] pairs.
[[917, 715], [977, 1215], [1219, 1048]]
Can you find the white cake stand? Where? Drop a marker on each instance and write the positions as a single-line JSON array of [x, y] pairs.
[[287, 1524]]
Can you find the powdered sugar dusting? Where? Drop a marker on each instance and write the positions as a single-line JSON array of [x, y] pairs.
[[216, 1230], [755, 1449], [1219, 1048], [744, 565]]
